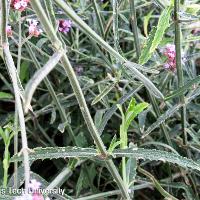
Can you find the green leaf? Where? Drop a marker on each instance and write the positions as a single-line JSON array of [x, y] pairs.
[[131, 114], [193, 8], [146, 22], [163, 24], [162, 118], [105, 91], [81, 140], [58, 152], [24, 73], [3, 135], [183, 89], [145, 53], [138, 153], [131, 167], [5, 95], [131, 105], [157, 155], [113, 109], [98, 117], [156, 35], [114, 143]]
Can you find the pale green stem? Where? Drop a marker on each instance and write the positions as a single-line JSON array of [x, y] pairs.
[[179, 66], [54, 96], [101, 27], [135, 28], [12, 72], [19, 44], [16, 148]]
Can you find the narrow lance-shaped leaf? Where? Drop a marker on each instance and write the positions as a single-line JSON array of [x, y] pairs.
[[156, 35], [138, 153], [145, 54], [113, 109], [5, 95], [131, 72], [161, 119], [131, 114], [163, 24], [183, 89], [39, 76], [105, 91]]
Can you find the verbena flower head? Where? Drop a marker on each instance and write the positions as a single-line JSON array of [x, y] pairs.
[[170, 53], [33, 28], [19, 5], [64, 25], [9, 31]]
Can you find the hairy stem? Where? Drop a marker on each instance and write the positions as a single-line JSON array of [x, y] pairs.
[[96, 9], [134, 27], [12, 71], [179, 66]]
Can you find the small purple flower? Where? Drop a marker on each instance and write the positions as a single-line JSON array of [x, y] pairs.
[[64, 25], [170, 53]]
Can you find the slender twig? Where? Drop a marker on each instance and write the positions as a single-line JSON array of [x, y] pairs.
[[36, 5], [16, 148], [53, 95], [19, 44], [134, 27], [96, 9], [179, 66], [157, 184], [12, 72], [3, 22], [16, 112], [50, 12], [39, 76], [11, 68], [115, 5]]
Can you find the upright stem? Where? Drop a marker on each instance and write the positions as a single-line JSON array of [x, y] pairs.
[[3, 22], [101, 27], [16, 112], [20, 44], [36, 5], [18, 103], [50, 12], [12, 71], [134, 27], [16, 148], [179, 66], [116, 26]]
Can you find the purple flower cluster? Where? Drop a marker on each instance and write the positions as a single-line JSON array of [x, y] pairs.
[[64, 25], [170, 53]]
